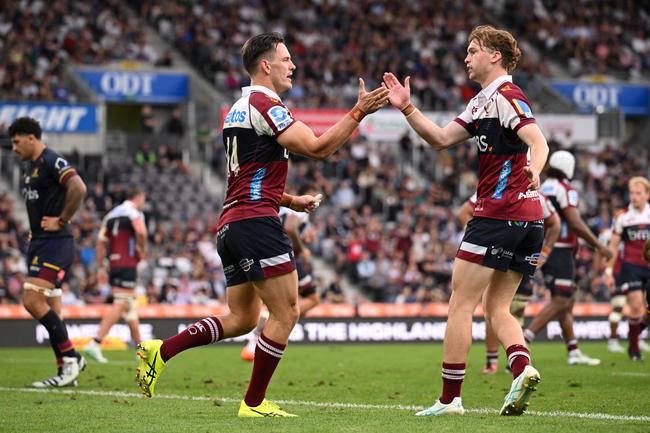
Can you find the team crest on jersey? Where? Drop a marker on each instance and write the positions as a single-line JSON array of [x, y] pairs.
[[280, 117], [34, 172], [60, 164]]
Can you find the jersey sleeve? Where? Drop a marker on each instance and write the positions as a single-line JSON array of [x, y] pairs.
[[514, 108], [472, 200], [567, 197], [617, 225], [101, 235], [464, 119], [269, 116], [547, 207], [59, 167]]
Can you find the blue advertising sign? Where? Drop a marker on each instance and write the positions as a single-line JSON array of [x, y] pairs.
[[137, 86], [632, 99], [60, 118]]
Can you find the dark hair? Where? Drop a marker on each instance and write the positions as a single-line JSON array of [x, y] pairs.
[[555, 173], [498, 40], [134, 191], [257, 47], [25, 126]]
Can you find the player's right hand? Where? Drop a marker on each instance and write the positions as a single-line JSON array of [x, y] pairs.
[[605, 252], [369, 102], [399, 96]]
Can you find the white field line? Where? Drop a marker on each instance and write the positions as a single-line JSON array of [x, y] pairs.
[[333, 405], [630, 373], [134, 363]]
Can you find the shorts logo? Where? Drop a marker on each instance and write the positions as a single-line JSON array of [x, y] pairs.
[[533, 259], [280, 117], [501, 252], [522, 224], [229, 270], [223, 230], [246, 264]]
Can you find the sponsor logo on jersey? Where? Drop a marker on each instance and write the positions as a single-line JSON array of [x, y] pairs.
[[638, 235], [528, 194], [280, 117], [30, 194], [235, 116], [522, 108]]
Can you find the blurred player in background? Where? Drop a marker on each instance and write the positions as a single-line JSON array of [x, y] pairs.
[[258, 133], [504, 238], [123, 240], [633, 228], [53, 192], [294, 224], [617, 298], [559, 269]]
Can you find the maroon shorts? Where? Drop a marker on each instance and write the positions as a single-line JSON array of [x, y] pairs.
[[254, 249]]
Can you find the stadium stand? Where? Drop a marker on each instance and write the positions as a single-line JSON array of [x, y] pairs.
[[388, 221]]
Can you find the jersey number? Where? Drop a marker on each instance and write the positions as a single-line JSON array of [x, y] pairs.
[[231, 155]]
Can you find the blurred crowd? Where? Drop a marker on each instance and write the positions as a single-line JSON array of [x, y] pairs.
[[38, 39], [596, 37], [333, 43]]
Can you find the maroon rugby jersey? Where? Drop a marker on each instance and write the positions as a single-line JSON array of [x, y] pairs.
[[257, 164], [563, 196], [634, 228], [493, 118], [117, 230]]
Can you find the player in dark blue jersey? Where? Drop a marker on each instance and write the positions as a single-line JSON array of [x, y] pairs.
[[53, 192]]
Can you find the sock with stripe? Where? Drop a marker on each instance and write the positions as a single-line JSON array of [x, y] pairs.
[[572, 345], [58, 335], [529, 336], [205, 331], [268, 354], [635, 331], [518, 358], [492, 358], [452, 380]]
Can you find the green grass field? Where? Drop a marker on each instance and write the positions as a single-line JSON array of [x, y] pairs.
[[339, 388]]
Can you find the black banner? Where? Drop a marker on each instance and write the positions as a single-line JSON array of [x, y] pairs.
[[28, 333]]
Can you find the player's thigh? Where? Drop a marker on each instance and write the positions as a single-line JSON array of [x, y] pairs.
[[501, 290], [243, 301], [468, 281], [49, 259], [279, 293]]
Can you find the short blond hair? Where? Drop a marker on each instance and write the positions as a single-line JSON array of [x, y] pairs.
[[639, 180], [498, 40]]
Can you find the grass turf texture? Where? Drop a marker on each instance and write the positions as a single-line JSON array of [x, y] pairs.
[[340, 388]]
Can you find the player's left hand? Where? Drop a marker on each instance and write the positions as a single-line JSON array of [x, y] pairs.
[[306, 203], [533, 177], [50, 224]]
